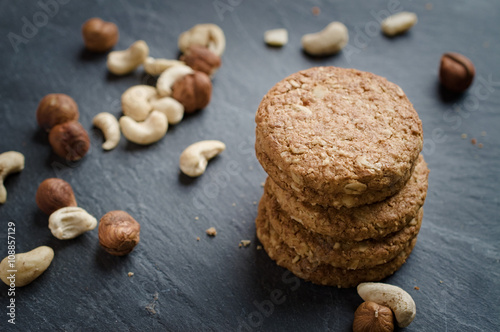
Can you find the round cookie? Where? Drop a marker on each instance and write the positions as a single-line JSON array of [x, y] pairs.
[[322, 274], [352, 255], [373, 221], [338, 137]]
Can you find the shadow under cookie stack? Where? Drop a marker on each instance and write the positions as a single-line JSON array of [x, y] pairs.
[[343, 200]]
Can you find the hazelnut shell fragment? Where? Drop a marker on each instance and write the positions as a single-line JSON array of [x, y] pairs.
[[118, 232]]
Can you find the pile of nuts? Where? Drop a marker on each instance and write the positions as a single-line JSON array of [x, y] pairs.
[[183, 86], [382, 300], [58, 114]]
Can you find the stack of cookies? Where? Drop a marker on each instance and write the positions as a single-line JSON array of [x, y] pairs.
[[343, 200]]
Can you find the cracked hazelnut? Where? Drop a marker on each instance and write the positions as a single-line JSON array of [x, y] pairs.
[[54, 194], [456, 72], [193, 91], [372, 317], [69, 140], [118, 232], [56, 108], [202, 59], [99, 35]]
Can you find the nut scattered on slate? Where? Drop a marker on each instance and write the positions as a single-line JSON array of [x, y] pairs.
[[211, 231], [456, 72]]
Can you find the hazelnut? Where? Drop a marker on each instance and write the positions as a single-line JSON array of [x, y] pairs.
[[193, 91], [54, 194], [456, 72], [118, 232], [99, 35], [56, 108], [69, 140], [373, 317], [202, 59]]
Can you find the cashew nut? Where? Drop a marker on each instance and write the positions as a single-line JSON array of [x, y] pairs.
[[194, 158], [398, 23], [391, 296], [168, 78], [135, 101], [151, 130], [10, 162], [328, 41], [276, 37], [28, 266], [155, 67], [110, 128], [69, 222], [126, 61], [173, 110], [208, 35]]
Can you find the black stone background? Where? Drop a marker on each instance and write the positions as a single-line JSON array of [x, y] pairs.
[[212, 285]]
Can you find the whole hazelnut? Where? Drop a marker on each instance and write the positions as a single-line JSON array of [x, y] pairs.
[[118, 232], [373, 317], [99, 35], [202, 59], [456, 72], [56, 108], [69, 140], [54, 194], [193, 91]]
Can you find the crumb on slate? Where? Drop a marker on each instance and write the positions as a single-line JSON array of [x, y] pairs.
[[196, 218], [464, 136], [480, 145], [254, 202], [428, 6], [211, 231], [473, 141], [198, 238], [234, 204], [259, 247], [315, 10], [262, 184], [151, 306], [483, 133], [416, 288], [244, 243], [441, 281], [130, 274]]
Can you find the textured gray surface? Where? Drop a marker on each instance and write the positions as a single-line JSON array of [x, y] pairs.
[[212, 284]]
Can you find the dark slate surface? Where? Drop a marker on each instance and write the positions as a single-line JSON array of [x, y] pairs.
[[212, 284]]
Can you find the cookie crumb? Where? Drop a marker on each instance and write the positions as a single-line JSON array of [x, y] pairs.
[[196, 218], [244, 243], [464, 136], [211, 231], [428, 6], [473, 141], [130, 274], [480, 145], [315, 10], [416, 288], [259, 247], [198, 238], [440, 281]]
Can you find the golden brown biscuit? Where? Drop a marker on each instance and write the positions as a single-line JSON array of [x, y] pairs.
[[322, 274], [338, 137], [350, 255], [372, 221]]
